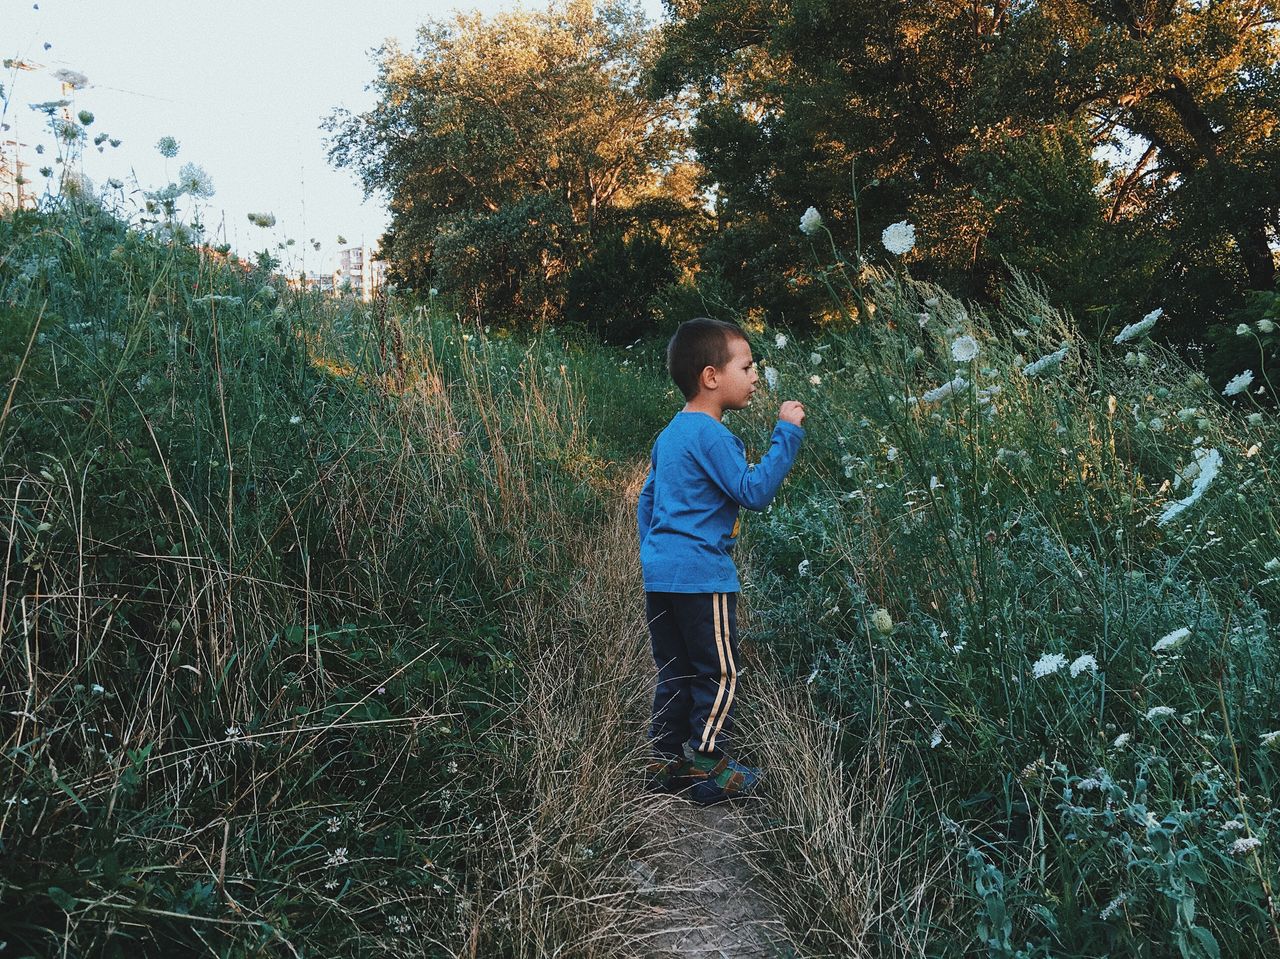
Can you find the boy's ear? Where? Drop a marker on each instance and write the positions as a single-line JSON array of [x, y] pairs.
[[707, 378]]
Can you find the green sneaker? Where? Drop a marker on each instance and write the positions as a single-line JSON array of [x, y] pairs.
[[720, 780], [670, 775]]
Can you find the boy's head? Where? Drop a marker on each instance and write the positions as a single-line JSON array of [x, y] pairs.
[[702, 343]]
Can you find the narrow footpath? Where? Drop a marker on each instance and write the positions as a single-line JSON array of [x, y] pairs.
[[702, 890]]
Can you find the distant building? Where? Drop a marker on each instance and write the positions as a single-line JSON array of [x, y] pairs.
[[318, 282], [357, 267], [15, 184]]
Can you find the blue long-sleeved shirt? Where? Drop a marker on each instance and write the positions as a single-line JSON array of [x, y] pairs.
[[688, 510]]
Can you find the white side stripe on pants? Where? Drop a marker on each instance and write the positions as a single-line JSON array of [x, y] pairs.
[[728, 671]]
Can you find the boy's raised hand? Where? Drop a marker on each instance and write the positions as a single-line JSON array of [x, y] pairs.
[[792, 412]]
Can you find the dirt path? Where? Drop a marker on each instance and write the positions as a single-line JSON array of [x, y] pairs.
[[701, 887]]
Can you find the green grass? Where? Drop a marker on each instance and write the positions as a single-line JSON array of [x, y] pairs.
[[268, 560], [1020, 517], [311, 606]]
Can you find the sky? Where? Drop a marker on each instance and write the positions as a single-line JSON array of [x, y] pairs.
[[242, 86]]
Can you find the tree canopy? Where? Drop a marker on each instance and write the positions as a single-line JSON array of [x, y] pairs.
[[1121, 150], [509, 147]]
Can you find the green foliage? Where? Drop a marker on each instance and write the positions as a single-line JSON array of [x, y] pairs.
[[1122, 155], [612, 292], [509, 146], [1107, 799], [265, 555]]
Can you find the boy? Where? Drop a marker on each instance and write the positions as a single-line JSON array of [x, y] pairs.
[[688, 522]]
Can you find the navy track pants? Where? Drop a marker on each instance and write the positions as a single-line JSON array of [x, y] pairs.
[[695, 648]]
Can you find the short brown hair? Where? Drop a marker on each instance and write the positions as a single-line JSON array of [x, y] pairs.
[[697, 344]]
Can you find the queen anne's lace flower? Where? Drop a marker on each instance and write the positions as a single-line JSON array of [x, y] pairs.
[[1207, 463], [1047, 361], [964, 348], [1085, 662], [72, 78], [899, 238], [945, 390], [1243, 845], [1238, 383], [1048, 664], [1170, 642], [1160, 712], [1134, 330], [810, 222], [1110, 908]]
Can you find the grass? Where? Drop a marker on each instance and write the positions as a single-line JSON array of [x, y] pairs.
[[290, 584], [322, 628]]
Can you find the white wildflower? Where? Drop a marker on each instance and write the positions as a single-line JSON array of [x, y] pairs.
[[1272, 565], [1255, 419], [803, 568], [1243, 845], [945, 390], [891, 454], [771, 377], [1137, 329], [295, 420], [1243, 329], [334, 824], [936, 739], [234, 733], [433, 292], [932, 302], [1160, 712], [1020, 333], [72, 78], [1238, 384], [899, 238], [815, 358], [97, 689], [1171, 641], [1234, 825], [1110, 908], [1048, 664], [882, 621], [964, 348], [1083, 663], [815, 380], [1266, 326], [811, 222], [1271, 740], [339, 857], [1045, 362], [780, 341], [1207, 463], [1121, 741]]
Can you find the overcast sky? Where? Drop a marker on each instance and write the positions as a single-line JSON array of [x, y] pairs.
[[242, 86]]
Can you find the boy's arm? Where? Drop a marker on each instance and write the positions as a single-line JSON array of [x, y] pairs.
[[644, 508], [754, 486]]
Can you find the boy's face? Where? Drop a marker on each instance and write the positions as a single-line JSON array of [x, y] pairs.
[[736, 380]]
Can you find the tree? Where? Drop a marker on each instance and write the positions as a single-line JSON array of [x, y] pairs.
[[507, 146], [1120, 149]]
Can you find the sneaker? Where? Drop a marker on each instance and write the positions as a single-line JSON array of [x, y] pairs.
[[720, 780], [670, 775]]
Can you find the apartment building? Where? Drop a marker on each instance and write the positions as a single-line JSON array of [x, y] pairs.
[[357, 267]]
